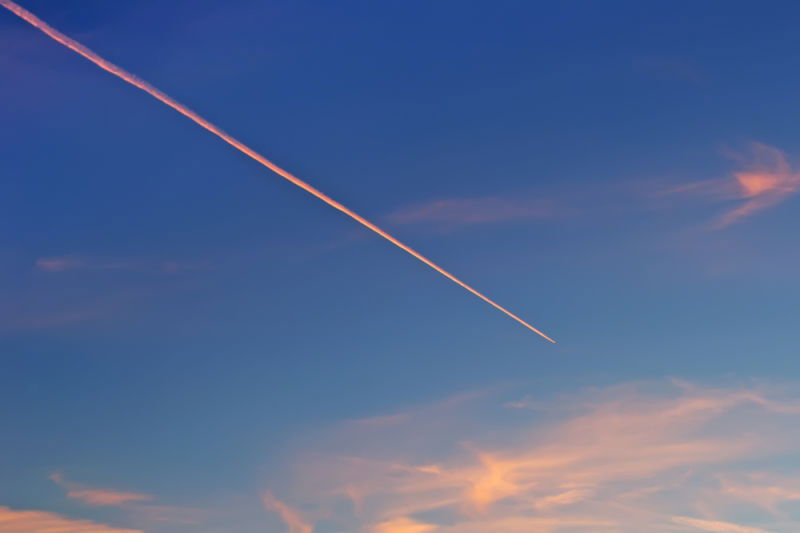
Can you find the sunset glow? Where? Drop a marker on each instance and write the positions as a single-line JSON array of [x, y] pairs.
[[188, 347]]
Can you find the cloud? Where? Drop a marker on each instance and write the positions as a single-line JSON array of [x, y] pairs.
[[766, 490], [765, 180], [167, 100], [98, 497], [294, 522], [715, 526], [102, 497], [14, 521], [74, 262], [130, 501], [58, 264], [453, 213], [106, 291], [637, 457], [403, 525]]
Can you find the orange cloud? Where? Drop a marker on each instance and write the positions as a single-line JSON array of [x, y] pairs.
[[130, 501], [403, 525], [294, 522], [494, 480], [564, 498], [14, 521], [102, 497], [765, 180], [629, 458], [98, 497]]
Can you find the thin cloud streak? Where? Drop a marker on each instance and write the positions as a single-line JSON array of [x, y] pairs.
[[16, 521], [294, 522], [403, 525], [133, 502], [68, 263], [715, 525], [164, 98], [98, 497], [58, 264], [453, 213]]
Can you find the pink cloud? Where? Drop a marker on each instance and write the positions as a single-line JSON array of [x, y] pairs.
[[766, 490], [453, 213], [403, 525], [130, 501], [294, 521], [765, 180], [629, 458], [715, 526], [104, 497], [58, 264], [44, 306], [98, 497], [15, 521]]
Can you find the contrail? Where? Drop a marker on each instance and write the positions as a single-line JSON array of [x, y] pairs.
[[182, 109]]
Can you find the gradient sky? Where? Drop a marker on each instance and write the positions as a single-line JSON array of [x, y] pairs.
[[191, 344]]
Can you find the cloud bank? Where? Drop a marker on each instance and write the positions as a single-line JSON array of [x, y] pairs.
[[646, 457]]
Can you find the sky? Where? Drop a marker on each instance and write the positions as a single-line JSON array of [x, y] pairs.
[[190, 343]]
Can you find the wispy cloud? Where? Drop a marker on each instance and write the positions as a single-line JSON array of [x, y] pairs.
[[58, 264], [453, 213], [765, 179], [763, 489], [95, 496], [16, 521], [130, 501], [629, 458], [73, 290], [76, 262], [715, 525], [294, 521], [403, 525]]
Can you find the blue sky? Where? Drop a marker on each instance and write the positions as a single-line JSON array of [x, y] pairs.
[[177, 321]]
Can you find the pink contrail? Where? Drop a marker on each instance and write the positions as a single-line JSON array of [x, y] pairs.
[[182, 109]]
